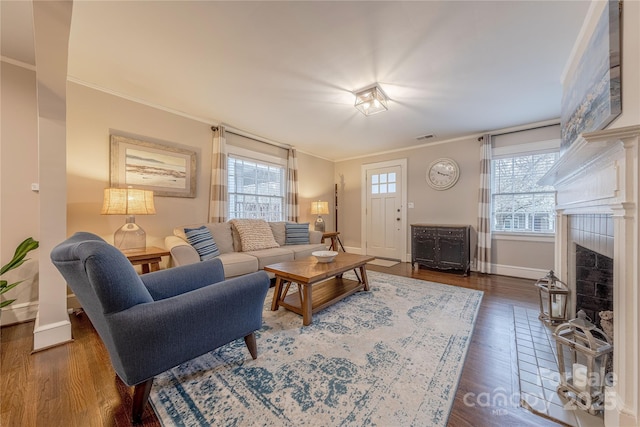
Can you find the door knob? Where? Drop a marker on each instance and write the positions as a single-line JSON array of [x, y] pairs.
[[397, 219]]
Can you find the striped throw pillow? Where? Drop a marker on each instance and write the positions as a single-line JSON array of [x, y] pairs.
[[202, 240], [297, 234]]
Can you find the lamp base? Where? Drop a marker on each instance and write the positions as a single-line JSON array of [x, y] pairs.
[[130, 236], [319, 224]]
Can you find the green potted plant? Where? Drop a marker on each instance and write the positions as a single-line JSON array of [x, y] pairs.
[[18, 259]]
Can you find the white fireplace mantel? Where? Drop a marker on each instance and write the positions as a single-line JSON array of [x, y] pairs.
[[599, 173]]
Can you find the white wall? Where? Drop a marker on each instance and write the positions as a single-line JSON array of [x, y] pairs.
[[19, 216], [93, 115], [457, 205], [316, 183]]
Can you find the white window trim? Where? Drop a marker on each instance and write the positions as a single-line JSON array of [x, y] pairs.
[[244, 153], [523, 237], [540, 147], [528, 148]]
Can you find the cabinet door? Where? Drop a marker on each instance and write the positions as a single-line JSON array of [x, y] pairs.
[[452, 244], [425, 246], [451, 252]]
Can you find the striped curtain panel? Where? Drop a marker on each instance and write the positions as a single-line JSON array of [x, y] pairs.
[[293, 210], [484, 208], [218, 205]]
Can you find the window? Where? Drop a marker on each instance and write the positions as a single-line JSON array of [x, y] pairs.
[[518, 203], [256, 189], [383, 183]]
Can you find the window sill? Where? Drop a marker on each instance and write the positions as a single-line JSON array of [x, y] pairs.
[[526, 237]]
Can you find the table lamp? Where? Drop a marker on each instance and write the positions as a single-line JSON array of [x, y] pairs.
[[130, 202], [319, 208]]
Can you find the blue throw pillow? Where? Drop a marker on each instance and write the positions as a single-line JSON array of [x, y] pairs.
[[202, 240], [296, 234]]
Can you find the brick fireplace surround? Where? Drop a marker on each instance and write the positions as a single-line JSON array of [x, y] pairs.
[[599, 174]]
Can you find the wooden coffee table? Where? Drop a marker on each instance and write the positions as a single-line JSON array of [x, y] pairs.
[[313, 296]]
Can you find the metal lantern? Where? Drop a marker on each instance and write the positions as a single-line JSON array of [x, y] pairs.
[[553, 299], [582, 361]]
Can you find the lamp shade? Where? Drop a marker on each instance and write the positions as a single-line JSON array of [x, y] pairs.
[[320, 208], [127, 201]]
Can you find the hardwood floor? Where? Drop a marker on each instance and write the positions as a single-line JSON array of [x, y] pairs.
[[74, 384]]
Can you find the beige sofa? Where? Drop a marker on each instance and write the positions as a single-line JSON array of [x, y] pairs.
[[234, 260]]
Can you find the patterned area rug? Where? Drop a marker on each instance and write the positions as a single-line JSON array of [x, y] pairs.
[[391, 356]]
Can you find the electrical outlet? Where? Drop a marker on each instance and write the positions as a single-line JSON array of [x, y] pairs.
[[35, 186], [410, 205]]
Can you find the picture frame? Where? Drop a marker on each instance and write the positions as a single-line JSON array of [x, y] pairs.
[[167, 170], [592, 98]]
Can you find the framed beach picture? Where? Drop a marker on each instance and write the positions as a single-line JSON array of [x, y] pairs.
[[592, 98], [166, 170]]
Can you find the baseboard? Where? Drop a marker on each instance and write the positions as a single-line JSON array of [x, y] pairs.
[[51, 334], [72, 302], [28, 311], [18, 313], [516, 271], [499, 269], [616, 413]]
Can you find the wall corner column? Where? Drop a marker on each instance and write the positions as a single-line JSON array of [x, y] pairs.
[[52, 25]]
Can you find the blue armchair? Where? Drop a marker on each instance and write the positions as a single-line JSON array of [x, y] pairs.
[[153, 322]]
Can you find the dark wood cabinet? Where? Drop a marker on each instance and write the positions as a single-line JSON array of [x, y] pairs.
[[442, 247]]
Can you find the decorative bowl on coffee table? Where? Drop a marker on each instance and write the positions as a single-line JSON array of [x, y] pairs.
[[324, 256]]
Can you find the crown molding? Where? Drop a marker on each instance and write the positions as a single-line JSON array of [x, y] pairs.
[[76, 80], [17, 63], [461, 138]]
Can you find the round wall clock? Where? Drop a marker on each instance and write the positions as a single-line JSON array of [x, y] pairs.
[[443, 174]]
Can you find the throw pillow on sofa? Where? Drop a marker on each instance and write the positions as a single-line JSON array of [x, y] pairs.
[[279, 232], [255, 234], [202, 240], [297, 234]]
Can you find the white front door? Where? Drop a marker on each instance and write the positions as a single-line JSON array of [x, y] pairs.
[[384, 213]]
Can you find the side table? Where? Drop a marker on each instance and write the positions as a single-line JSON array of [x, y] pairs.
[[149, 258], [333, 235]]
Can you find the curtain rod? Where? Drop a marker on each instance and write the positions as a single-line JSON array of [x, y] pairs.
[[523, 130], [238, 132]]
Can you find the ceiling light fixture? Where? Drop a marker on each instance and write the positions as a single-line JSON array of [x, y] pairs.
[[371, 100]]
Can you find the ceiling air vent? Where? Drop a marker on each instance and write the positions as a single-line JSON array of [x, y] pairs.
[[424, 137]]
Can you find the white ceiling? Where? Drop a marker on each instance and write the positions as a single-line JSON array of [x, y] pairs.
[[286, 71]]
